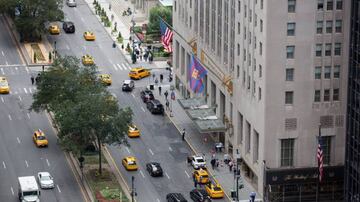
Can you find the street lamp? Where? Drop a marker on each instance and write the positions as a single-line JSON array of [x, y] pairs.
[[237, 176], [133, 191]]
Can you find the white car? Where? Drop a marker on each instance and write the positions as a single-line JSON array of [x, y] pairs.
[[45, 180], [198, 162], [71, 3]]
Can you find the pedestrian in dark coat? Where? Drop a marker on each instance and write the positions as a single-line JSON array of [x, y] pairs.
[[213, 162], [183, 134], [32, 80], [159, 90]]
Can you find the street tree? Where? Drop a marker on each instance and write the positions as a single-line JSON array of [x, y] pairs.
[[154, 19]]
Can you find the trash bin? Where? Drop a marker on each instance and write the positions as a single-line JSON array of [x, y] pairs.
[[151, 86]]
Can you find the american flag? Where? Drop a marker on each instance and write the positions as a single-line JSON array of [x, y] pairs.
[[166, 36], [320, 157]]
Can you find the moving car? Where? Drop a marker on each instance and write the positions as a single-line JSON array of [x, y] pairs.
[[201, 176], [40, 139], [4, 86], [105, 79], [45, 180], [198, 162], [154, 169], [133, 131], [214, 190], [199, 195], [138, 73], [175, 197], [54, 29], [129, 163], [155, 107], [87, 60], [89, 36], [69, 27], [146, 95], [71, 3], [128, 85]]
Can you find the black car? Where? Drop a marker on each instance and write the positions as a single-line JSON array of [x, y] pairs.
[[69, 27], [199, 195], [155, 107], [175, 197], [128, 85], [146, 95], [154, 169]]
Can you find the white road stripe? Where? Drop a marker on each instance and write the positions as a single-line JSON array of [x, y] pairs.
[[167, 175], [17, 138], [27, 165], [2, 99], [170, 149], [124, 66], [127, 149], [115, 67], [25, 90], [12, 191], [57, 186], [2, 52], [47, 161], [119, 66], [151, 152], [20, 98], [28, 115], [4, 165], [142, 174], [9, 117], [142, 108], [187, 174], [30, 90], [132, 94], [2, 71], [27, 69]]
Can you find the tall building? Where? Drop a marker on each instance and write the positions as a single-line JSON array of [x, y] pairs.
[[277, 69], [352, 165]]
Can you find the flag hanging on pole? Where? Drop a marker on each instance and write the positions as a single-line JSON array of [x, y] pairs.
[[166, 36], [196, 74], [320, 157]]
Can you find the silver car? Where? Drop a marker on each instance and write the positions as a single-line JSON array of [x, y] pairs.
[[45, 180], [71, 3]]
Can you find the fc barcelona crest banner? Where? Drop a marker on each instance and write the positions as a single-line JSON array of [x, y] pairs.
[[196, 74]]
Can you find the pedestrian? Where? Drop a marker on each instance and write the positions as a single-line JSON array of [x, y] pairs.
[[159, 90], [156, 81], [213, 162], [32, 80], [43, 68], [153, 76], [231, 164], [110, 6], [217, 163], [112, 17], [161, 78], [183, 134], [166, 94], [195, 182], [167, 105], [122, 46]]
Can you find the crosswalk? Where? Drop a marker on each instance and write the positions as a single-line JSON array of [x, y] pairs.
[[23, 90], [122, 67]]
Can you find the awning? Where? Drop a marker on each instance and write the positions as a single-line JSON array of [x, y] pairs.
[[206, 126], [201, 113], [166, 2], [191, 102]]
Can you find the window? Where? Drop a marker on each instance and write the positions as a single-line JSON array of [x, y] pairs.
[[326, 95], [287, 152], [237, 71], [239, 6], [238, 49], [261, 25], [254, 88], [239, 27], [262, 4], [339, 5], [291, 29], [255, 20], [290, 74], [337, 49], [250, 15], [338, 26], [250, 37], [336, 94], [319, 27], [329, 26], [329, 5], [259, 93], [326, 147], [260, 71], [190, 3], [327, 72], [291, 6], [328, 49], [244, 56], [320, 5], [318, 51], [336, 71], [243, 77], [317, 96], [290, 52], [254, 42], [318, 72], [260, 48], [289, 97], [245, 11]]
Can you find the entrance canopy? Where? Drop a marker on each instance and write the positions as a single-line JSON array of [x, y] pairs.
[[203, 116]]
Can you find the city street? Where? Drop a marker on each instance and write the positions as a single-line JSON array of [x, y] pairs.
[[18, 154]]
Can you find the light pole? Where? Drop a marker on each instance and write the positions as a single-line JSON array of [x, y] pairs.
[[133, 191], [237, 175]]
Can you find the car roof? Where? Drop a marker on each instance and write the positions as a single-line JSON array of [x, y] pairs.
[[127, 81], [137, 68], [130, 158], [198, 157], [44, 174]]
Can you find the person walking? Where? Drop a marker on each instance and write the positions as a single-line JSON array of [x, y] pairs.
[[161, 78], [32, 80], [166, 94], [183, 134], [159, 90], [212, 162], [156, 81], [167, 105], [231, 164]]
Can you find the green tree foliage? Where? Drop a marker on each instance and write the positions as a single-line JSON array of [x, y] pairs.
[[34, 14], [154, 22], [83, 108]]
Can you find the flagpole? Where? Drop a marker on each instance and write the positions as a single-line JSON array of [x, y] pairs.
[[318, 170]]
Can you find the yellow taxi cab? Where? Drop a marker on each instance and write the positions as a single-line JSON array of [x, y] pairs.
[[201, 176], [129, 163], [105, 79], [133, 131], [214, 190], [138, 73], [4, 86], [89, 36], [40, 139], [87, 60], [54, 29]]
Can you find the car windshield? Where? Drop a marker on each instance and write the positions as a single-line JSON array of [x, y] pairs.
[[131, 162], [30, 193], [132, 72], [200, 160], [41, 138], [217, 189], [2, 84], [45, 178]]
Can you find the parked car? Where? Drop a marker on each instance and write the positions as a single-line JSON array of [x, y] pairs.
[[154, 169], [175, 197], [69, 27], [146, 95], [155, 107], [128, 85], [199, 195]]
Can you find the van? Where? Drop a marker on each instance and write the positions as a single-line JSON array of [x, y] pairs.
[[138, 73]]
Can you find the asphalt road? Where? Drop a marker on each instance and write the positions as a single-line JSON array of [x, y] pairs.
[[18, 154], [160, 140]]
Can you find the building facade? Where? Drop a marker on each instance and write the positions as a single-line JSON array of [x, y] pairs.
[[352, 165], [276, 70]]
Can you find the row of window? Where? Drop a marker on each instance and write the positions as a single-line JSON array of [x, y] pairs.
[[320, 5], [326, 95], [329, 24], [327, 72], [327, 50]]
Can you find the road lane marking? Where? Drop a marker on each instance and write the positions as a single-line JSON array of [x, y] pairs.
[[170, 149], [132, 94], [2, 99], [30, 90], [27, 69], [27, 165], [28, 115], [9, 117], [187, 174], [142, 174], [119, 66], [143, 109], [167, 175], [47, 161], [12, 191], [57, 186], [151, 152], [127, 149], [2, 71], [20, 98], [124, 66], [25, 90], [4, 165], [17, 138], [2, 52]]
